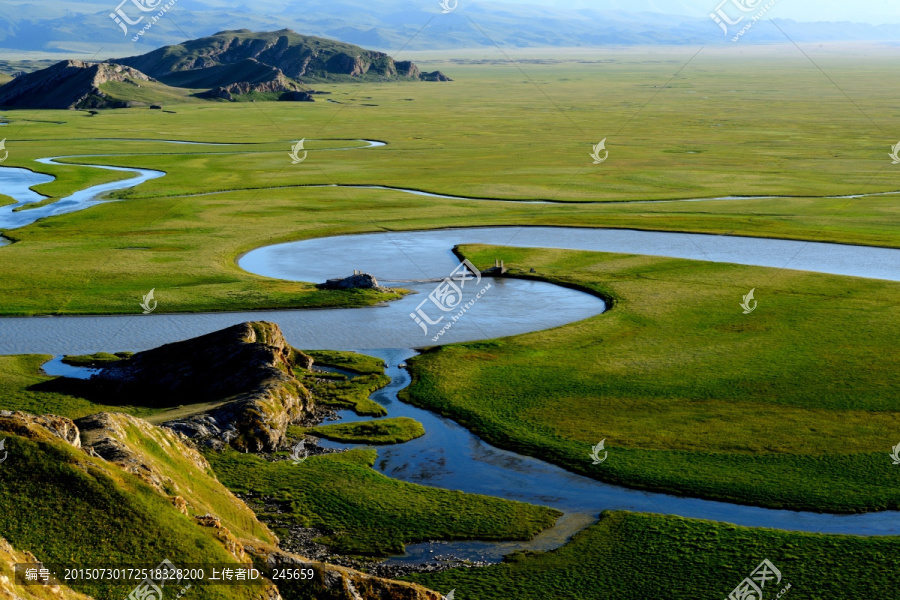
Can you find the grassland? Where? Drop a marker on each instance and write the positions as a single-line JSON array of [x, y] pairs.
[[382, 431], [361, 364], [792, 406], [755, 138], [96, 360], [367, 513], [339, 391], [632, 556]]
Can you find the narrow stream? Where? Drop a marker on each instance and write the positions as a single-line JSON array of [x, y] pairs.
[[449, 456]]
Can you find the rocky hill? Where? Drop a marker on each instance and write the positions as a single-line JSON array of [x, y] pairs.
[[298, 57], [69, 84], [277, 64], [246, 371]]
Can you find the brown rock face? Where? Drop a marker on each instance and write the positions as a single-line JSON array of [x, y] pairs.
[[247, 369], [104, 435], [39, 427], [68, 84]]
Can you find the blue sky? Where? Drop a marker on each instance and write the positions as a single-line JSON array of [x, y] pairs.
[[859, 11]]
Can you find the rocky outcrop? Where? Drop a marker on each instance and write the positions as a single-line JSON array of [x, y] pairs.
[[297, 97], [298, 57], [228, 92], [39, 427], [246, 369], [356, 281], [105, 435], [226, 538], [68, 85], [332, 582], [434, 76]]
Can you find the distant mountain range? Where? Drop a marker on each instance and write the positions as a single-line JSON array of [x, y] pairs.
[[392, 25], [273, 65]]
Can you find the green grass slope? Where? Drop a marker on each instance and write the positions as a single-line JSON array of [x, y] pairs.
[[25, 387], [792, 406], [149, 92]]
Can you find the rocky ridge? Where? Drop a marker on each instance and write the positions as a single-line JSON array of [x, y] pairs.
[[302, 58], [69, 84]]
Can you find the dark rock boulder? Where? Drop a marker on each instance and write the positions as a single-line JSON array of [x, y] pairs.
[[297, 97], [434, 76], [363, 281], [246, 370]]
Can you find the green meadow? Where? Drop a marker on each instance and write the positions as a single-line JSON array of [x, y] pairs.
[[724, 126], [793, 406], [636, 556]]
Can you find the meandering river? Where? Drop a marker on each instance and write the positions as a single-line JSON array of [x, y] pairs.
[[448, 455]]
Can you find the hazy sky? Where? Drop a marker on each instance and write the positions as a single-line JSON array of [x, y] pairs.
[[859, 11]]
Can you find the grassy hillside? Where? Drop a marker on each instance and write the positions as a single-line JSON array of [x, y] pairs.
[[25, 387], [149, 92], [630, 556], [67, 507], [793, 406]]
